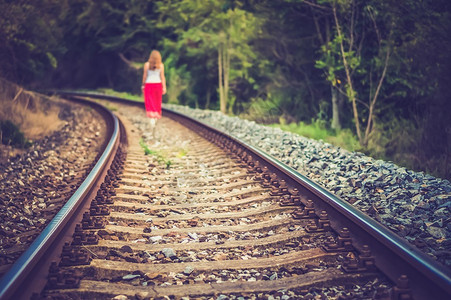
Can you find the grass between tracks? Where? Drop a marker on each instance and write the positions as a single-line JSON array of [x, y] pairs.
[[128, 96], [157, 154]]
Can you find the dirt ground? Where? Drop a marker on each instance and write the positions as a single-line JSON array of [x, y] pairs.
[[36, 115]]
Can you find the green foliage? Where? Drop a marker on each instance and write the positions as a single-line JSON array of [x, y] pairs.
[[181, 153], [11, 135], [157, 154], [124, 95], [407, 144], [330, 61], [287, 50], [29, 38], [397, 139], [226, 33], [283, 58], [316, 130], [262, 111], [177, 79], [146, 149], [52, 60], [103, 41], [110, 107], [345, 139]]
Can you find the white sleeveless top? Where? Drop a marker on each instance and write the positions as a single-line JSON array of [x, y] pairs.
[[153, 76]]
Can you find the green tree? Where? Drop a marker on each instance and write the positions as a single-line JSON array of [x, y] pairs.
[[104, 40], [364, 69], [287, 50], [212, 30], [329, 61], [29, 38]]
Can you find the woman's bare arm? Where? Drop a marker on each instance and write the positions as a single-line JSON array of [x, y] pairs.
[[163, 79], [146, 68]]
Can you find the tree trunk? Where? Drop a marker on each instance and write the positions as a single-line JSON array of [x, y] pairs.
[[350, 89], [226, 69], [208, 98], [222, 103], [373, 101], [335, 109]]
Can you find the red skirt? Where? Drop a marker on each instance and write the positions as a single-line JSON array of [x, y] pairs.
[[152, 99]]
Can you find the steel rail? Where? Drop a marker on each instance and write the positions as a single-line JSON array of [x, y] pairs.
[[418, 266], [438, 276], [10, 283]]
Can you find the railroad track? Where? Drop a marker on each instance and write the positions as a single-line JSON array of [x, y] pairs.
[[205, 216]]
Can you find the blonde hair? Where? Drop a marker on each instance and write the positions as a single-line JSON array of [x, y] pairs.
[[154, 60]]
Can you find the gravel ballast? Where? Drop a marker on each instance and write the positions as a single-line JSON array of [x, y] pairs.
[[36, 182], [414, 205]]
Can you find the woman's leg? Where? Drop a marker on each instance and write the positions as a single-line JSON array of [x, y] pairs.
[[155, 103], [153, 124]]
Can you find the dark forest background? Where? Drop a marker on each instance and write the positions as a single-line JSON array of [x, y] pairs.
[[377, 69]]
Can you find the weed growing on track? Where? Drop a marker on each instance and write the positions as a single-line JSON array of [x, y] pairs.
[[10, 134], [181, 153], [158, 155]]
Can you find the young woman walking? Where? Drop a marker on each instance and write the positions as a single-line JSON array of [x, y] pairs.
[[153, 86]]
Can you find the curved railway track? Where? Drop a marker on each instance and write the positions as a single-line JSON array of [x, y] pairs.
[[207, 216]]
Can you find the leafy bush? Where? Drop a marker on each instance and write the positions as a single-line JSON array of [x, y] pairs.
[[11, 135], [137, 98], [262, 111], [318, 131], [345, 139], [403, 142], [313, 131]]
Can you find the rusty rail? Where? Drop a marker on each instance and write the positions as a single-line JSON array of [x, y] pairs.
[[395, 256], [28, 273]]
